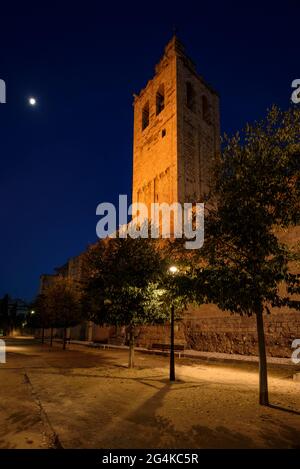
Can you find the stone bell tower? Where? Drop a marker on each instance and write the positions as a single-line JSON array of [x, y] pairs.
[[176, 132]]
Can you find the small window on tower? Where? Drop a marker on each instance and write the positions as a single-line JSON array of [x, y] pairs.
[[205, 109], [160, 99], [163, 133], [190, 96], [145, 116]]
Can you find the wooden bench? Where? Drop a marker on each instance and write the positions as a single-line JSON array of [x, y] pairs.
[[167, 347]]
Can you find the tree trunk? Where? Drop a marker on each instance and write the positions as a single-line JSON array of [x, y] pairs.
[[43, 335], [172, 354], [65, 338], [263, 373], [131, 347], [51, 337]]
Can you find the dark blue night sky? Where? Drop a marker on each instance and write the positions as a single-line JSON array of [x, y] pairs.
[[83, 62]]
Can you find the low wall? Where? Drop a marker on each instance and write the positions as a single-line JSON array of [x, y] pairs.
[[235, 334], [205, 329], [211, 330]]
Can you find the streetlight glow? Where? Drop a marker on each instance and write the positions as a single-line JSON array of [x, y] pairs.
[[32, 312], [173, 269]]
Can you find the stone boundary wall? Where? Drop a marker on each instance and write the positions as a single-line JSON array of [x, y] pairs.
[[228, 334], [236, 334], [206, 330]]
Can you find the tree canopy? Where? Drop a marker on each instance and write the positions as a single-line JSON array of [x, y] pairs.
[[255, 193]]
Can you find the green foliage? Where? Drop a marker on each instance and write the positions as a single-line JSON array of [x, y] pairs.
[[124, 282], [4, 314], [11, 316], [256, 191], [58, 306]]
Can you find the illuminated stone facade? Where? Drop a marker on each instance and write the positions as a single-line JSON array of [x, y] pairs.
[[176, 132], [176, 137]]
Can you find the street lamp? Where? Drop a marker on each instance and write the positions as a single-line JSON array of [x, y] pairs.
[[32, 312], [173, 270]]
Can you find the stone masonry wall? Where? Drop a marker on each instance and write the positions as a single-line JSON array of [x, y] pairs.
[[227, 333], [236, 334]]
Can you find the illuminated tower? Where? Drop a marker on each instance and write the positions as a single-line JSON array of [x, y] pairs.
[[176, 132]]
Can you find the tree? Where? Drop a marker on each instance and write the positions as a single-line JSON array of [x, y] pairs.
[[123, 284], [59, 305], [4, 314], [11, 313], [39, 316], [256, 191]]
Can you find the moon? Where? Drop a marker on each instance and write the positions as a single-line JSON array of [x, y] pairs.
[[32, 101]]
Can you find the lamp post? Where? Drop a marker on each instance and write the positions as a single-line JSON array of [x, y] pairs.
[[173, 270], [172, 354]]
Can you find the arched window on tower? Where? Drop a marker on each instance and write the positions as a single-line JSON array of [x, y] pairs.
[[190, 96], [205, 109], [145, 115], [160, 99]]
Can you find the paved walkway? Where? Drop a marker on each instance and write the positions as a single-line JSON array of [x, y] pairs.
[[193, 354], [88, 398]]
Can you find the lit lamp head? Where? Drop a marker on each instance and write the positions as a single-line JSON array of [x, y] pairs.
[[32, 312], [173, 269]]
